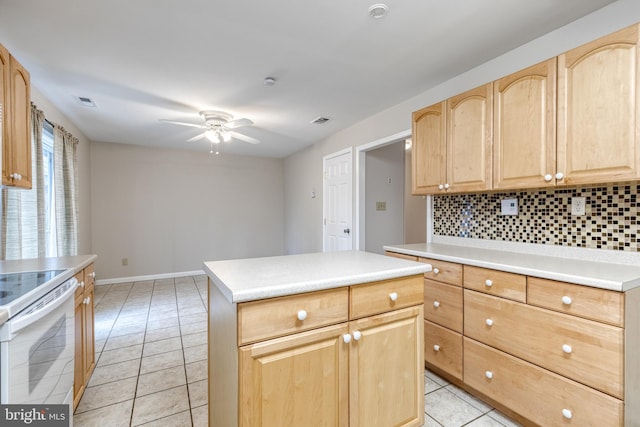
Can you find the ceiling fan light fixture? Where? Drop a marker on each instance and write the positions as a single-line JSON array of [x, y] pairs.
[[212, 136], [226, 136]]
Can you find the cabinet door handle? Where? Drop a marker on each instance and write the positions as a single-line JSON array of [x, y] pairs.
[[489, 322], [436, 347], [446, 186], [559, 175], [567, 414], [357, 335], [87, 300], [81, 284], [393, 296], [436, 270], [346, 338], [488, 374], [566, 300], [302, 314], [440, 187], [548, 177], [488, 282], [567, 348], [436, 304]]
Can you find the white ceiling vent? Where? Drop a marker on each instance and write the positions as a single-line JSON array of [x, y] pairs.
[[320, 120], [85, 101]]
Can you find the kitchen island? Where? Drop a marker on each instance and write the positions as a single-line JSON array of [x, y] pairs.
[[330, 338]]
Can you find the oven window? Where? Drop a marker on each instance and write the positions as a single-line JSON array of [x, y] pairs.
[[46, 351]]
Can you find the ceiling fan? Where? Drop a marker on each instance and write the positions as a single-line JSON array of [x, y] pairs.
[[218, 127]]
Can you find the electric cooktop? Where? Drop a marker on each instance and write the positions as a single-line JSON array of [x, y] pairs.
[[16, 285]]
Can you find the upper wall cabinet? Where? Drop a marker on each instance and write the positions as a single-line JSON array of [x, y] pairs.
[[15, 121], [452, 144], [598, 110], [524, 141]]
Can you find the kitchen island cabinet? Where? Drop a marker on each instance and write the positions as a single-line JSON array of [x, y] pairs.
[[330, 338]]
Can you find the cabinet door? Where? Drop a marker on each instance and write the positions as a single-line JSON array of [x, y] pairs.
[[524, 141], [89, 341], [19, 144], [5, 100], [297, 380], [598, 110], [428, 151], [78, 359], [469, 136], [386, 369]]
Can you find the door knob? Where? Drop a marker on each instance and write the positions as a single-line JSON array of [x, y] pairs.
[[346, 231]]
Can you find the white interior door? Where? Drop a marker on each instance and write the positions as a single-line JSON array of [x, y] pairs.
[[338, 217]]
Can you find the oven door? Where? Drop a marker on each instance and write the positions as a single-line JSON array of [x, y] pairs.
[[37, 359]]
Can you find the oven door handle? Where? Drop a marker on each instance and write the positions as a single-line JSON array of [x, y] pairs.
[[23, 320]]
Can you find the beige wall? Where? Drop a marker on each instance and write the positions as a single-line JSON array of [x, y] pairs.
[[168, 211], [83, 152], [303, 170]]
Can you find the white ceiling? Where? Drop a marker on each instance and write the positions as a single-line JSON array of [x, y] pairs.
[[145, 60]]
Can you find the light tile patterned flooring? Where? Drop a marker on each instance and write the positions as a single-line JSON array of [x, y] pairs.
[[151, 369]]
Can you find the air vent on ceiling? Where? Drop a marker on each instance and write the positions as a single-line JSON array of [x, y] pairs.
[[87, 102], [320, 120]]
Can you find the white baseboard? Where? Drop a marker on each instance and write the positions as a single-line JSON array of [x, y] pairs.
[[148, 277]]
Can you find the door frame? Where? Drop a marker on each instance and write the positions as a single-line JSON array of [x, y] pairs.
[[325, 201], [360, 171]]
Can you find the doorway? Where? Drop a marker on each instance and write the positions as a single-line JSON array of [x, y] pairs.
[[338, 202]]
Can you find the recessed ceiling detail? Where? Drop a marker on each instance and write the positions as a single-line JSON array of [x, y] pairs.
[[378, 10]]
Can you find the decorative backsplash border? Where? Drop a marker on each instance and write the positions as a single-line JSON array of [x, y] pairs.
[[544, 217]]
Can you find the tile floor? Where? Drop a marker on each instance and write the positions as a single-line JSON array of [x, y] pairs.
[[151, 364]]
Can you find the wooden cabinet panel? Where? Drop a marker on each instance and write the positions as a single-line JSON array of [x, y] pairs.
[[428, 151], [379, 297], [443, 349], [591, 303], [269, 318], [78, 355], [539, 395], [386, 370], [583, 350], [599, 110], [469, 140], [494, 282], [298, 380], [443, 271], [85, 351], [443, 304], [401, 256], [524, 140]]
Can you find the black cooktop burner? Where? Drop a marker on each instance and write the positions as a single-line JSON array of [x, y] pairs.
[[14, 285]]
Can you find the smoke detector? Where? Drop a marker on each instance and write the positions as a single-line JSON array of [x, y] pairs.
[[378, 10]]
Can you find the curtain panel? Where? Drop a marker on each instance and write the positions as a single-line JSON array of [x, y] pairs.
[[66, 184]]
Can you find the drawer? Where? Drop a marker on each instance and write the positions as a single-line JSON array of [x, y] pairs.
[[401, 256], [583, 350], [81, 285], [270, 318], [386, 295], [535, 393], [443, 349], [442, 271], [494, 282], [443, 304], [89, 276], [591, 303]]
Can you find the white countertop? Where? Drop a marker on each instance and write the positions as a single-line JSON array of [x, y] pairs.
[[605, 275], [242, 280]]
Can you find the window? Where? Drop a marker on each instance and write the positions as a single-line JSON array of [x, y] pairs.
[[49, 194]]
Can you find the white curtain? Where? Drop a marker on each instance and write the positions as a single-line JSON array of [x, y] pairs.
[[65, 176], [22, 229]]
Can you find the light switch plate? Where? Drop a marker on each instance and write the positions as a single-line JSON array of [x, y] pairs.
[[509, 207]]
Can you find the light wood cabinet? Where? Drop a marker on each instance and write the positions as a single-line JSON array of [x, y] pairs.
[[524, 140], [494, 282], [350, 356], [15, 121], [84, 359], [452, 144], [599, 110]]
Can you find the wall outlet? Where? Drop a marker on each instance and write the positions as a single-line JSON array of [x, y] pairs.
[[125, 262], [577, 206], [509, 207]]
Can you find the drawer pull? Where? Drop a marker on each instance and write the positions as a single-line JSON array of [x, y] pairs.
[[81, 284], [567, 348], [92, 274], [566, 300], [436, 270], [393, 296], [488, 374], [436, 304], [302, 314], [436, 347], [357, 335], [567, 414], [489, 322], [346, 338], [488, 282]]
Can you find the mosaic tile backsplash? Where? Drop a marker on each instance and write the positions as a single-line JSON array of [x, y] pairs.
[[544, 217]]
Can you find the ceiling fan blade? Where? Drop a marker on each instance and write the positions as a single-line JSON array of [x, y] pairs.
[[196, 138], [237, 123], [244, 138], [184, 124]]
